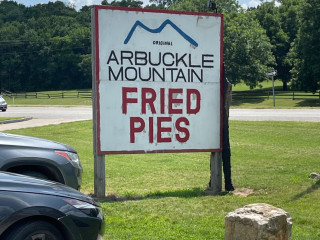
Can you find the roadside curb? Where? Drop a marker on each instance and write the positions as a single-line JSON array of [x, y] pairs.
[[16, 120]]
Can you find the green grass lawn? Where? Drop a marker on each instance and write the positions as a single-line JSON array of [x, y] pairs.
[[282, 99], [279, 103], [8, 118], [161, 196], [266, 85]]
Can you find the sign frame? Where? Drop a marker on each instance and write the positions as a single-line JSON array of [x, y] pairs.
[[96, 80]]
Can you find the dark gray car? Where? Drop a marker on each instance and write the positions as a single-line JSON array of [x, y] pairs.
[[43, 210], [40, 158]]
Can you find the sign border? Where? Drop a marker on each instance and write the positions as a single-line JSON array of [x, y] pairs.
[[96, 77]]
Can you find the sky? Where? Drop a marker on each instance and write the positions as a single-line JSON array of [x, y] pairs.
[[79, 3]]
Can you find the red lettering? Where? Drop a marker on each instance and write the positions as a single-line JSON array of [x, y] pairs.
[[145, 100], [125, 99], [162, 103], [173, 100], [198, 99], [161, 129], [134, 129], [182, 129], [150, 129]]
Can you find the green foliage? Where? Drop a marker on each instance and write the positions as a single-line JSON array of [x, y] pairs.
[[223, 6], [123, 3], [289, 17], [305, 53], [44, 47], [247, 50], [270, 19], [282, 24]]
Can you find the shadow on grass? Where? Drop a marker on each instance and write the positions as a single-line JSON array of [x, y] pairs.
[[240, 101], [309, 103], [309, 190], [181, 193]]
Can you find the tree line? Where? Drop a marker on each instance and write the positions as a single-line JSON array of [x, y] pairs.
[[48, 46]]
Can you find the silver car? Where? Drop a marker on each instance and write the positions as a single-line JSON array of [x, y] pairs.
[[3, 104]]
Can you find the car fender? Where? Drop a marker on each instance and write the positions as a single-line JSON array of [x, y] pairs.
[[50, 215], [17, 165], [31, 212]]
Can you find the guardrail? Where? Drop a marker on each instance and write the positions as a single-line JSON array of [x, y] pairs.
[[293, 95], [43, 95]]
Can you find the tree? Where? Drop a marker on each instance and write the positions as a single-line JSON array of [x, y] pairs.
[[11, 11], [123, 3], [305, 53], [270, 19], [11, 60], [223, 6], [289, 12], [247, 50], [44, 47]]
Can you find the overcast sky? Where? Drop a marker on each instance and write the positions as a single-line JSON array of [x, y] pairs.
[[80, 3]]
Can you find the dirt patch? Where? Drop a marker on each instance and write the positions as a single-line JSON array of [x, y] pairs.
[[242, 192]]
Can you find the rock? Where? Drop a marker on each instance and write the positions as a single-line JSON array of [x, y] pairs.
[[259, 221], [315, 176]]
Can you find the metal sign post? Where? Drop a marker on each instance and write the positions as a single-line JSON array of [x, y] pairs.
[[272, 74]]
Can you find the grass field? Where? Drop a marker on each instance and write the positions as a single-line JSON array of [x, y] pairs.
[[161, 196], [282, 99], [266, 85], [8, 118]]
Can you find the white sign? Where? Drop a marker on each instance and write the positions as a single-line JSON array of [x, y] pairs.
[[158, 80], [272, 73]]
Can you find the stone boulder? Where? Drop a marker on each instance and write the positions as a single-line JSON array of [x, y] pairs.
[[315, 176], [259, 221]]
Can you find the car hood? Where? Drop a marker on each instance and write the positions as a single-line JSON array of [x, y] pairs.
[[26, 141], [21, 183]]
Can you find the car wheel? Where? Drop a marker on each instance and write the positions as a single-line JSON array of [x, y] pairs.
[[35, 230], [33, 174]]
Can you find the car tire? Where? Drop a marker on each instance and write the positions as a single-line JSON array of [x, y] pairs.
[[34, 174], [35, 230]]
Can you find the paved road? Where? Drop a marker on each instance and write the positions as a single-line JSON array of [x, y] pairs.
[[45, 116], [78, 113], [303, 115], [55, 115]]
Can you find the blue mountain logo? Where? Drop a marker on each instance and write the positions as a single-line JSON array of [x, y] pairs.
[[158, 30]]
